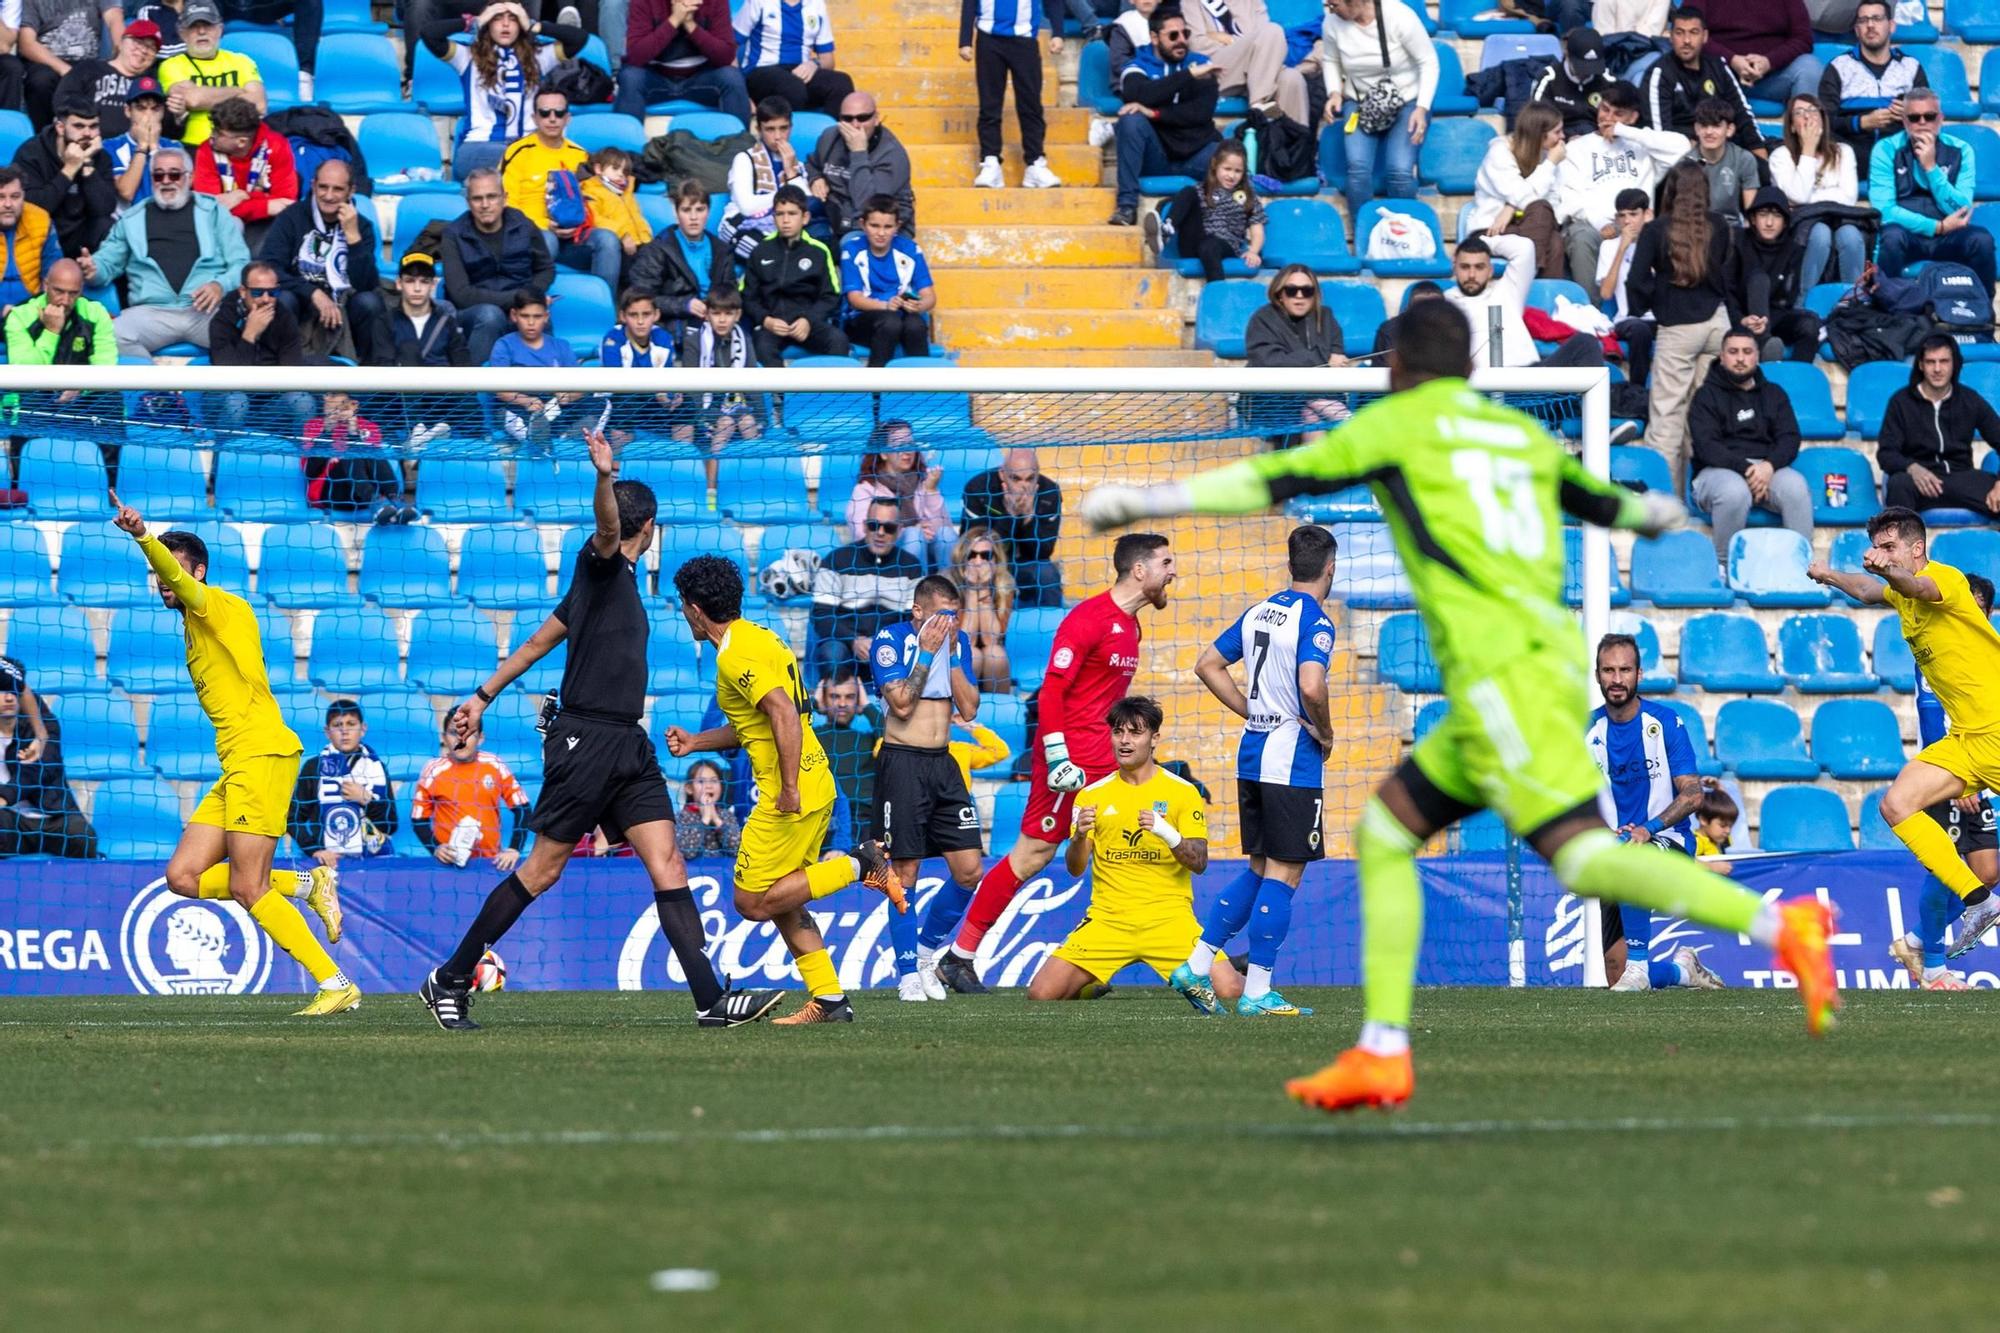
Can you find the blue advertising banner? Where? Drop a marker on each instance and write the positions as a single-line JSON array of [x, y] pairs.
[[94, 928]]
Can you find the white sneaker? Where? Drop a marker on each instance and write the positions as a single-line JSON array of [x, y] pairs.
[[1699, 975], [1974, 924], [424, 435], [911, 989], [989, 177], [1103, 129], [1633, 978], [571, 15], [934, 987], [305, 86], [1039, 177]]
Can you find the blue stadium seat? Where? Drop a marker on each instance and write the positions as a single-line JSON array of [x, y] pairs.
[[434, 86], [1573, 572], [403, 724], [1855, 739], [1224, 311], [501, 567], [354, 650], [1030, 634], [1875, 832], [671, 664], [463, 490], [180, 740], [359, 74], [1463, 18], [1437, 266], [1975, 21], [1821, 298], [1654, 678], [591, 133], [1767, 568], [1514, 42], [304, 567], [398, 142], [63, 478], [1822, 655], [679, 545], [1368, 576], [1804, 819], [136, 819], [264, 486], [1403, 655], [1946, 73], [1452, 150], [1642, 469], [48, 640], [581, 310], [679, 484], [1973, 550], [1428, 718], [1704, 761], [1890, 657], [1869, 388], [148, 651], [553, 492], [15, 130], [843, 420], [277, 62], [274, 632], [1357, 308], [452, 651], [1985, 145], [1989, 82], [776, 538], [1727, 653], [404, 567], [166, 484], [352, 16], [101, 567], [1451, 98], [763, 489], [1678, 570], [1482, 832], [1760, 740], [807, 126], [707, 126], [1010, 803], [1007, 716], [24, 565], [658, 210], [1093, 79], [414, 212], [100, 739], [1854, 484], [1170, 256], [933, 416], [1309, 232], [1812, 398]]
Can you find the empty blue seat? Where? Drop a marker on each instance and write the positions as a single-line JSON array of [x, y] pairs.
[[807, 126], [1403, 655], [1678, 570], [406, 566], [354, 650], [136, 819], [1945, 72], [841, 422], [933, 416], [1875, 832], [277, 61], [1309, 232], [707, 126], [399, 142], [102, 567], [1093, 79], [63, 478], [680, 485], [1369, 576], [352, 16], [1822, 655], [552, 491], [1030, 636], [680, 545], [1985, 145], [414, 212], [261, 485], [1223, 313], [1971, 550], [1989, 87], [1654, 678], [1804, 819], [1822, 297], [1705, 762], [304, 567], [591, 133], [463, 490], [148, 650], [100, 739], [501, 567], [55, 648], [1641, 469], [581, 311], [166, 484], [1428, 718], [1728, 653], [1760, 740], [24, 565], [1573, 571], [1976, 21], [1890, 657], [1811, 396], [1856, 739], [1841, 483], [1451, 99], [1357, 308], [1452, 150], [763, 489], [1437, 265], [452, 651], [435, 86], [672, 665], [1482, 832], [405, 726], [1767, 568], [1869, 388], [359, 74], [1010, 802], [180, 740]]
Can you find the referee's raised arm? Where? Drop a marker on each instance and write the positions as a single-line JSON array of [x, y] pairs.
[[604, 500]]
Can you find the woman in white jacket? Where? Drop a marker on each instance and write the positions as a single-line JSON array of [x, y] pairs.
[[1814, 167], [1514, 193], [1354, 39]]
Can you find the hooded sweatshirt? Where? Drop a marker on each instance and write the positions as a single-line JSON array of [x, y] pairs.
[[1937, 436], [1764, 276], [1274, 338], [1733, 425]]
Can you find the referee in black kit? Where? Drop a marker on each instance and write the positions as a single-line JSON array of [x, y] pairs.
[[601, 767]]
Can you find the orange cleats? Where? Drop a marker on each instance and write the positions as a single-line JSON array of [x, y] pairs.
[[1804, 926], [877, 874], [1357, 1079]]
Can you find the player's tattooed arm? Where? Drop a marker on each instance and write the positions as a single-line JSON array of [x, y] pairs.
[[903, 695], [1213, 671], [1687, 795]]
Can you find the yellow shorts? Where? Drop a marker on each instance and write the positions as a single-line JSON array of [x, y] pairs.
[[1973, 758], [775, 845], [1102, 946], [253, 797]]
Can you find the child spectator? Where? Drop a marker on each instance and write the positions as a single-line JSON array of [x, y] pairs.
[[719, 342], [423, 326], [1714, 820], [346, 472], [499, 72], [1125, 37], [888, 285], [614, 202], [530, 345], [1614, 265], [1733, 174], [1515, 191], [1765, 282], [1221, 218], [456, 811], [706, 826], [894, 469], [790, 292], [679, 265], [344, 803], [633, 346], [1000, 42], [248, 167], [986, 590], [1813, 167], [131, 153], [755, 176]]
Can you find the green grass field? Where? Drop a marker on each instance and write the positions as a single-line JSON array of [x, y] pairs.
[[1571, 1161]]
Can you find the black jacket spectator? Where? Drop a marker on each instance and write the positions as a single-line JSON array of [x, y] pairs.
[[789, 280], [482, 269], [1765, 279], [285, 248], [1670, 91], [280, 344], [1937, 436], [39, 815], [852, 178], [1650, 286], [1577, 102], [1027, 536], [1854, 85], [855, 593], [1185, 102], [84, 208], [661, 268], [1731, 427], [440, 344], [1273, 338]]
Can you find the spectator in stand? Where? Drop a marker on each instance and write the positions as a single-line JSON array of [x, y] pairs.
[[1221, 218], [1745, 441], [1515, 191], [1385, 336], [106, 84], [1574, 84], [166, 16], [857, 159], [131, 153], [1690, 74], [1647, 18], [1294, 330], [613, 197], [423, 328], [344, 803], [1614, 267], [308, 17], [28, 244], [679, 266], [248, 167], [324, 251], [986, 589], [860, 587], [525, 171], [1024, 509], [1925, 445], [1864, 88], [1813, 167], [1000, 43], [39, 815], [179, 253], [1167, 123], [347, 473], [719, 341], [1769, 46], [680, 49], [1680, 276], [1477, 293], [1125, 37], [637, 343], [1921, 181], [755, 175], [532, 345], [61, 326], [499, 71], [888, 286], [204, 76], [1250, 55], [1599, 167], [1369, 43], [52, 36], [491, 254], [66, 172], [13, 74], [706, 826], [1765, 281], [464, 788], [785, 50], [791, 295], [849, 727], [894, 468], [252, 327], [1733, 174]]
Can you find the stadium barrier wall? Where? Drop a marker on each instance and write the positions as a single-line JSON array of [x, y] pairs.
[[113, 928]]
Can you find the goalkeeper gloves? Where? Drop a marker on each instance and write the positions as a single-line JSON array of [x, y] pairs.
[[1063, 774], [1114, 506], [1663, 513]]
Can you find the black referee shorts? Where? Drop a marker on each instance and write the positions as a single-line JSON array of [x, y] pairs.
[[599, 775], [921, 805], [1281, 823], [1969, 833]]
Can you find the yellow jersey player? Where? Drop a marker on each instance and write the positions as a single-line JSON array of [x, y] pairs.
[[1958, 650], [763, 699], [1143, 835], [227, 848]]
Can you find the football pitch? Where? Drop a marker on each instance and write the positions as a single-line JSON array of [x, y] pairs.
[[1571, 1160]]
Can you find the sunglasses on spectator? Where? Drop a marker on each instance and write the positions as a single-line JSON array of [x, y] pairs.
[[1171, 33], [984, 554], [170, 175], [861, 119], [260, 291], [552, 112], [877, 525], [1289, 290], [1922, 117]]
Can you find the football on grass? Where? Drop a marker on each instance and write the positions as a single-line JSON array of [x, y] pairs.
[[491, 974]]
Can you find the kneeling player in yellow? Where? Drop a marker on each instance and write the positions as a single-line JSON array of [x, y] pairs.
[[1143, 834], [778, 870], [227, 848]]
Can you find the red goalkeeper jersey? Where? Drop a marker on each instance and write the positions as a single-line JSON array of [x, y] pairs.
[[1091, 665]]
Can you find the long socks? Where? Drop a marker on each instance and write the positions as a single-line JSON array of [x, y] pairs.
[[1937, 908], [947, 910], [502, 908], [1226, 917], [214, 882], [1928, 841], [1392, 923], [680, 921], [903, 935], [995, 892], [282, 922]]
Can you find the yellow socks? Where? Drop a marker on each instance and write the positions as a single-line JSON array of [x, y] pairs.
[[215, 882], [1926, 838], [282, 922], [816, 970], [824, 877]]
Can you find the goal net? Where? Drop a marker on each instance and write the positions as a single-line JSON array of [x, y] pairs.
[[399, 531]]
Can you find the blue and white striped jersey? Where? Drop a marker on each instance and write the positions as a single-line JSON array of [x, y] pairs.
[[1641, 759], [1006, 18], [771, 32], [1274, 638], [895, 651]]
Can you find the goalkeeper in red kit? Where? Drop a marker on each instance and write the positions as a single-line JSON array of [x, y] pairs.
[[1091, 665]]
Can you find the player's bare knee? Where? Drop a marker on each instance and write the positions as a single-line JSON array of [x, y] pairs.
[[183, 879], [753, 906]]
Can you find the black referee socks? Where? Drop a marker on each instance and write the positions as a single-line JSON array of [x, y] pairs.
[[503, 907], [681, 921]]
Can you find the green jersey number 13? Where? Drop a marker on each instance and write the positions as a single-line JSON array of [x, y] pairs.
[[1503, 491]]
